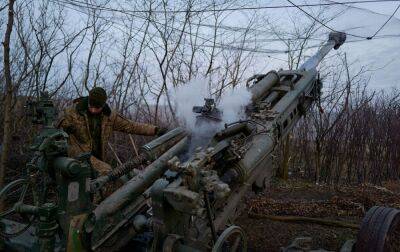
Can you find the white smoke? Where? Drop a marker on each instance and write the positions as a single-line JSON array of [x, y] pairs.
[[232, 104], [185, 97]]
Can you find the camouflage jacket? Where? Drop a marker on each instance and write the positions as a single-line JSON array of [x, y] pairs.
[[74, 121]]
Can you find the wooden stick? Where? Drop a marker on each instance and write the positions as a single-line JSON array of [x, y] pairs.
[[134, 145], [318, 221], [115, 154]]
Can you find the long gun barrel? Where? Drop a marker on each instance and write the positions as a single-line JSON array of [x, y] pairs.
[[266, 82], [336, 39]]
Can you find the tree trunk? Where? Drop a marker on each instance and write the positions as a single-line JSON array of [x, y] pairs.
[[318, 162], [7, 124], [284, 167]]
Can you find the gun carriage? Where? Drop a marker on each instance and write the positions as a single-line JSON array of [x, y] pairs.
[[180, 201]]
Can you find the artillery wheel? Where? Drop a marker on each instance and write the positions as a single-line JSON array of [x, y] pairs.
[[232, 239], [18, 191], [379, 230]]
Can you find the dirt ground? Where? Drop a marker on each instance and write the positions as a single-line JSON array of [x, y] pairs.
[[299, 198]]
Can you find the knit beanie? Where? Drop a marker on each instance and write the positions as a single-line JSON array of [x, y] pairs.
[[97, 97]]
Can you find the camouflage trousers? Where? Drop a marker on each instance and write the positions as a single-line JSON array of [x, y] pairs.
[[100, 166], [102, 169]]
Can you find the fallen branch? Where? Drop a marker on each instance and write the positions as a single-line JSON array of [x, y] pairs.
[[318, 221]]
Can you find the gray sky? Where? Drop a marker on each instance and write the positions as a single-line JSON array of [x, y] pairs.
[[383, 8]]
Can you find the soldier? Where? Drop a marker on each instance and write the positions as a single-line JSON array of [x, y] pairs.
[[90, 123]]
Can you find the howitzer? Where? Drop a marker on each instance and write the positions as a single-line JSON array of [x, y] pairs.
[[188, 201], [194, 207]]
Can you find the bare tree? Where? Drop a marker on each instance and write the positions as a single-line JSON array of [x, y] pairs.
[[166, 32], [8, 96]]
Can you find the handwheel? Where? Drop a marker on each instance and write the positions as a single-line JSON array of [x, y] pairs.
[[232, 239], [379, 231], [18, 191]]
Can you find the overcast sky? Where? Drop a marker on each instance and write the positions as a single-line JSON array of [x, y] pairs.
[[385, 53], [383, 8]]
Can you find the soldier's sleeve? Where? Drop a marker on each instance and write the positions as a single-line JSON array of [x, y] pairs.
[[65, 121], [125, 125]]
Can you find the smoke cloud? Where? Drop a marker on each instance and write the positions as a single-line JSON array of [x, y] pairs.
[[232, 105], [185, 97]]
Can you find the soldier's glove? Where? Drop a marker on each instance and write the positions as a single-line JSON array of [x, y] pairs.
[[161, 131]]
